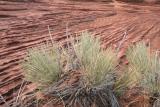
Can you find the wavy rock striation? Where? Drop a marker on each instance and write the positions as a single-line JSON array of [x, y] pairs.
[[25, 24]]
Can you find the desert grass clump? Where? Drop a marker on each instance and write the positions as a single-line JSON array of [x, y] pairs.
[[41, 65], [98, 83], [138, 57], [97, 64], [152, 78], [147, 66], [124, 81]]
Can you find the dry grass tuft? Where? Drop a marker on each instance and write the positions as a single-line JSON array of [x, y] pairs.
[[98, 82], [41, 65], [97, 65], [147, 68]]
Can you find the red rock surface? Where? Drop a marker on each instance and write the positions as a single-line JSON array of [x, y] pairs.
[[25, 24]]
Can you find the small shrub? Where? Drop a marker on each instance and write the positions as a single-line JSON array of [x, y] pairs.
[[41, 65], [151, 80], [97, 65], [98, 82], [138, 58], [147, 68], [126, 80]]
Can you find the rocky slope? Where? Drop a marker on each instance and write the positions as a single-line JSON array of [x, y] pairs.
[[25, 24]]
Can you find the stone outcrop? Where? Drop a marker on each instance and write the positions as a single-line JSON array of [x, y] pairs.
[[25, 24]]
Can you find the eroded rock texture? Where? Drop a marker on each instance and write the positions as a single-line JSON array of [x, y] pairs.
[[25, 24]]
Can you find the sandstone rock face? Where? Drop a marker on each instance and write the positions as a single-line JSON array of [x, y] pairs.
[[151, 1], [141, 1], [132, 1], [25, 24]]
